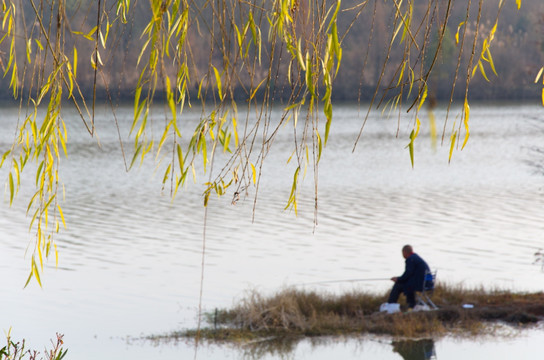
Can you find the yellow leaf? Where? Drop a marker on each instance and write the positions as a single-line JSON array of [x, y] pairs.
[[218, 82], [39, 44], [490, 60], [61, 216], [293, 196], [481, 67], [56, 256], [11, 189], [254, 174], [466, 118], [301, 62], [539, 74], [401, 73], [255, 90], [452, 145], [411, 148], [432, 125], [180, 157], [35, 272], [423, 97]]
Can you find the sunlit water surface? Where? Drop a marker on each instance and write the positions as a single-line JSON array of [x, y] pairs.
[[131, 259]]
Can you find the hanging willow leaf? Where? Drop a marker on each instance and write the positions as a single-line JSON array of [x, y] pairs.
[[218, 82], [328, 114], [453, 138], [457, 33], [36, 272], [11, 189], [539, 74], [300, 58], [410, 147], [489, 59], [319, 146], [292, 202], [465, 121], [254, 172], [432, 128], [423, 97], [61, 216], [256, 89]]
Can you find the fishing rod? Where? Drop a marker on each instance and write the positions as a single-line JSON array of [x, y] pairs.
[[340, 281]]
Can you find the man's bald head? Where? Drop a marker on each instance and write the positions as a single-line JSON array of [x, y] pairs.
[[407, 251]]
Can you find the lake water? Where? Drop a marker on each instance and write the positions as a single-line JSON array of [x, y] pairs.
[[131, 258]]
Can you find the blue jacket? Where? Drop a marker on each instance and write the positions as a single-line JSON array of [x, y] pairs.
[[414, 273]]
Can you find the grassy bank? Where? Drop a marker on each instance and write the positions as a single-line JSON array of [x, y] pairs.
[[293, 312]]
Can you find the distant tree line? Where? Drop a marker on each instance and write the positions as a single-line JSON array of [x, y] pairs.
[[518, 51]]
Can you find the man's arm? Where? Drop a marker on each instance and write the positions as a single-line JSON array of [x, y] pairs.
[[408, 271]]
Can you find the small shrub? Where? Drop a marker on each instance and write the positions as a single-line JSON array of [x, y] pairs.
[[16, 350]]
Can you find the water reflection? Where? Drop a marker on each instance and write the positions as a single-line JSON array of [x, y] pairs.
[[352, 347], [415, 349], [277, 348]]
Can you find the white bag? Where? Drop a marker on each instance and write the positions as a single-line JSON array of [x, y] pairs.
[[422, 307], [390, 308]]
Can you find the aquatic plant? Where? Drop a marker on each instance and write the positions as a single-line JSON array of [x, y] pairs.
[[17, 351]]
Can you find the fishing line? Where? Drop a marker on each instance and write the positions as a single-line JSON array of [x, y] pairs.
[[340, 281]]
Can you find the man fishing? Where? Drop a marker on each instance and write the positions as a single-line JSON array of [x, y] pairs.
[[412, 279]]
